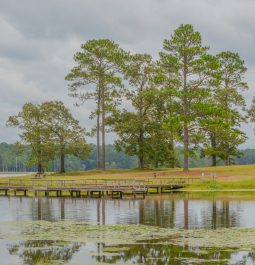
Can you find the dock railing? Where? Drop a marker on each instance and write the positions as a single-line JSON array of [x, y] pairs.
[[102, 182]]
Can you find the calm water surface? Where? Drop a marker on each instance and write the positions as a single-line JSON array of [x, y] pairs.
[[15, 174], [177, 210]]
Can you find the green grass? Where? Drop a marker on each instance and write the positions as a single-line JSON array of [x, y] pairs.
[[226, 177]]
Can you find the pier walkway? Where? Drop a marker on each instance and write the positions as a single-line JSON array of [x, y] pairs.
[[115, 188]]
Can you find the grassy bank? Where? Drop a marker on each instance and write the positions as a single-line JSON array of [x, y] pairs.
[[211, 178]]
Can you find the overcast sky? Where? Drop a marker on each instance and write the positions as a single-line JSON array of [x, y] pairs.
[[38, 40]]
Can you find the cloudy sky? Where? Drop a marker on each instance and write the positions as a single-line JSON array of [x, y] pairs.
[[38, 40]]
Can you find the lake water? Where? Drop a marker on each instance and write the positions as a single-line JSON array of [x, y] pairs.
[[171, 211], [15, 174]]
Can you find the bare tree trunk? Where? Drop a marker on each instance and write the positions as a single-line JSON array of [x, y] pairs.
[[39, 168], [98, 134], [141, 133], [172, 160], [103, 130], [185, 129], [141, 151], [62, 163], [141, 162], [39, 163], [186, 149], [213, 145]]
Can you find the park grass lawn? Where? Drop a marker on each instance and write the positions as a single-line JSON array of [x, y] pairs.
[[211, 178]]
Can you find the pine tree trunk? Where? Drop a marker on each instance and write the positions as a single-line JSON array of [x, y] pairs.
[[141, 151], [213, 145], [172, 160], [103, 130], [186, 149], [185, 129], [141, 132], [98, 133], [62, 163], [39, 165]]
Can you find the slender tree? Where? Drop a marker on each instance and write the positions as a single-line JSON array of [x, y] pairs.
[[97, 70], [190, 68]]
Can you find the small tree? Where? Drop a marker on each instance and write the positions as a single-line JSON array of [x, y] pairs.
[[50, 129], [67, 135], [34, 133]]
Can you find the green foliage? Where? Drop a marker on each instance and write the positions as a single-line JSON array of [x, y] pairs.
[[34, 133], [134, 127], [223, 126], [51, 131], [188, 70], [97, 70], [67, 136]]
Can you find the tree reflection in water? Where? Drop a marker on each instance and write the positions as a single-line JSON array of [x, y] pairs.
[[177, 210], [40, 252], [150, 253]]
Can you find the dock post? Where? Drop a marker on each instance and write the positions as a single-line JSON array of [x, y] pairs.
[[25, 193], [6, 192]]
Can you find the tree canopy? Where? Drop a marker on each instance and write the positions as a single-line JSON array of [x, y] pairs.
[[51, 131]]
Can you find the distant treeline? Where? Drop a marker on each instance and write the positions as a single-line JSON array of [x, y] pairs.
[[10, 160]]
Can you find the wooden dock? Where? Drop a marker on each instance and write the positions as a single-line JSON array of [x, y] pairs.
[[115, 188]]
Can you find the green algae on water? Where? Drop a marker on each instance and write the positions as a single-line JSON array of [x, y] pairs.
[[114, 235]]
